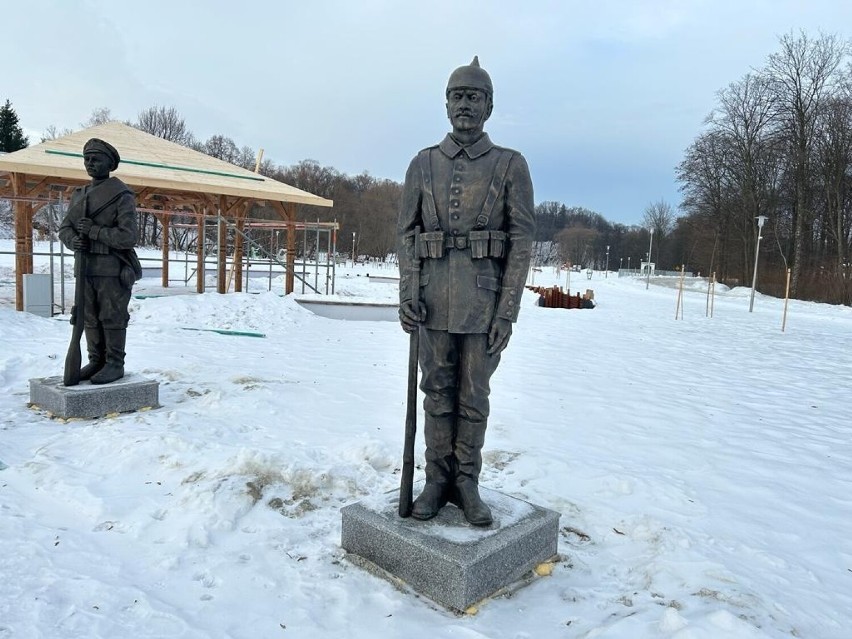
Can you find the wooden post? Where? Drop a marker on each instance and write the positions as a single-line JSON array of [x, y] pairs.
[[707, 305], [713, 293], [23, 238], [290, 280], [200, 262], [222, 245], [786, 299], [679, 307], [237, 267], [164, 220]]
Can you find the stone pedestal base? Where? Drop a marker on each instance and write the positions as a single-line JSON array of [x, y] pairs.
[[86, 400], [445, 558]]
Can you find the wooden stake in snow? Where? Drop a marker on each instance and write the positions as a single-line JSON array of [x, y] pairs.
[[679, 308], [712, 292], [786, 299]]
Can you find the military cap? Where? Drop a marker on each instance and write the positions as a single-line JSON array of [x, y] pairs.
[[96, 145]]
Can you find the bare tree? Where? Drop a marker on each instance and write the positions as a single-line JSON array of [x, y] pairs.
[[7, 220], [803, 74], [100, 115], [660, 216], [833, 160], [222, 147], [577, 245], [747, 122], [52, 133], [166, 123]]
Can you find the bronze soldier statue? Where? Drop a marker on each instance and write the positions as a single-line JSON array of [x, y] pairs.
[[101, 222], [471, 203]]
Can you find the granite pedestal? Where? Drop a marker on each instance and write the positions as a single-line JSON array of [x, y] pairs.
[[87, 400], [445, 558]]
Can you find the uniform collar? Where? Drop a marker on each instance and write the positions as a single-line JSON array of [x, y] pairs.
[[451, 148]]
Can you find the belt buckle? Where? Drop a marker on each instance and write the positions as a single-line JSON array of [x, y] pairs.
[[460, 242]]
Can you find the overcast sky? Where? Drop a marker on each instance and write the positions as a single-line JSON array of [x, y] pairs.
[[602, 97]]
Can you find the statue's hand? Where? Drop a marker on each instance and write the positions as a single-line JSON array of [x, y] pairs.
[[498, 336], [411, 317], [84, 225], [80, 243]]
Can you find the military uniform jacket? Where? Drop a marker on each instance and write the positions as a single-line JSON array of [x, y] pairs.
[[112, 209], [457, 190]]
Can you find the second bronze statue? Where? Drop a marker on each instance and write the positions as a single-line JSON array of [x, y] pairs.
[[100, 227]]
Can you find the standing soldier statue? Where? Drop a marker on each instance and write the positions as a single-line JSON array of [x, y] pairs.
[[100, 227], [467, 209]]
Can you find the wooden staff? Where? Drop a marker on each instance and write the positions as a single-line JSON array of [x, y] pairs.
[[406, 482], [73, 358]]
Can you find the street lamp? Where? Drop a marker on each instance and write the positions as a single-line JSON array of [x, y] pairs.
[[620, 263], [606, 273], [353, 249], [650, 245], [628, 264], [761, 220]]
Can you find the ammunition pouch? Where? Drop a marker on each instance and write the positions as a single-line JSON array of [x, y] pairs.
[[482, 244], [487, 244], [432, 244]]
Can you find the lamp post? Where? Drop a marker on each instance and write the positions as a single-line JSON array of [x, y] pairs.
[[650, 245], [761, 220], [628, 263], [353, 249], [620, 263], [606, 272]]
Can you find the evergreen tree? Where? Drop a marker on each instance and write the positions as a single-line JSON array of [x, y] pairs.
[[11, 135]]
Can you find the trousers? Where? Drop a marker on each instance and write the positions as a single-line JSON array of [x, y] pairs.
[[457, 370]]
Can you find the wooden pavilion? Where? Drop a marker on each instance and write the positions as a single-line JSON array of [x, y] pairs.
[[166, 177]]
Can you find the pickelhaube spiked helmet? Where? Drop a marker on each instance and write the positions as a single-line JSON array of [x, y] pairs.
[[471, 76]]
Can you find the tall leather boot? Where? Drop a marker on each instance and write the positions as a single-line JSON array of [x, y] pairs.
[[438, 433], [114, 369], [470, 436], [96, 350]]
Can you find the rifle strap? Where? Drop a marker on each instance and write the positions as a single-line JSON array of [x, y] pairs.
[[494, 189], [430, 210]]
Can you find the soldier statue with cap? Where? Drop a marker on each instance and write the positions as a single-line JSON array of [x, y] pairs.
[[101, 221], [471, 203]]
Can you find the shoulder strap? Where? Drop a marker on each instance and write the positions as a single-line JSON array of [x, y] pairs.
[[430, 211], [105, 193], [495, 188]]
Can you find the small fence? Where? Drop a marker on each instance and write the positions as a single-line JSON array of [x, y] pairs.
[[635, 272], [555, 297]]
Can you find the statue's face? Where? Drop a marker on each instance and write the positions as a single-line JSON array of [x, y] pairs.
[[97, 164], [468, 109]]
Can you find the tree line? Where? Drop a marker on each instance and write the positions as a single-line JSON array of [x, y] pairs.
[[778, 144]]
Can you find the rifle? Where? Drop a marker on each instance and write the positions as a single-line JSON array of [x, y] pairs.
[[73, 358], [406, 482]]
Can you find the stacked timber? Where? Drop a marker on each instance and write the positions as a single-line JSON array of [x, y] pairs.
[[555, 297]]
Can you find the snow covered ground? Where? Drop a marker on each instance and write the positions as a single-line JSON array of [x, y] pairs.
[[703, 469]]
